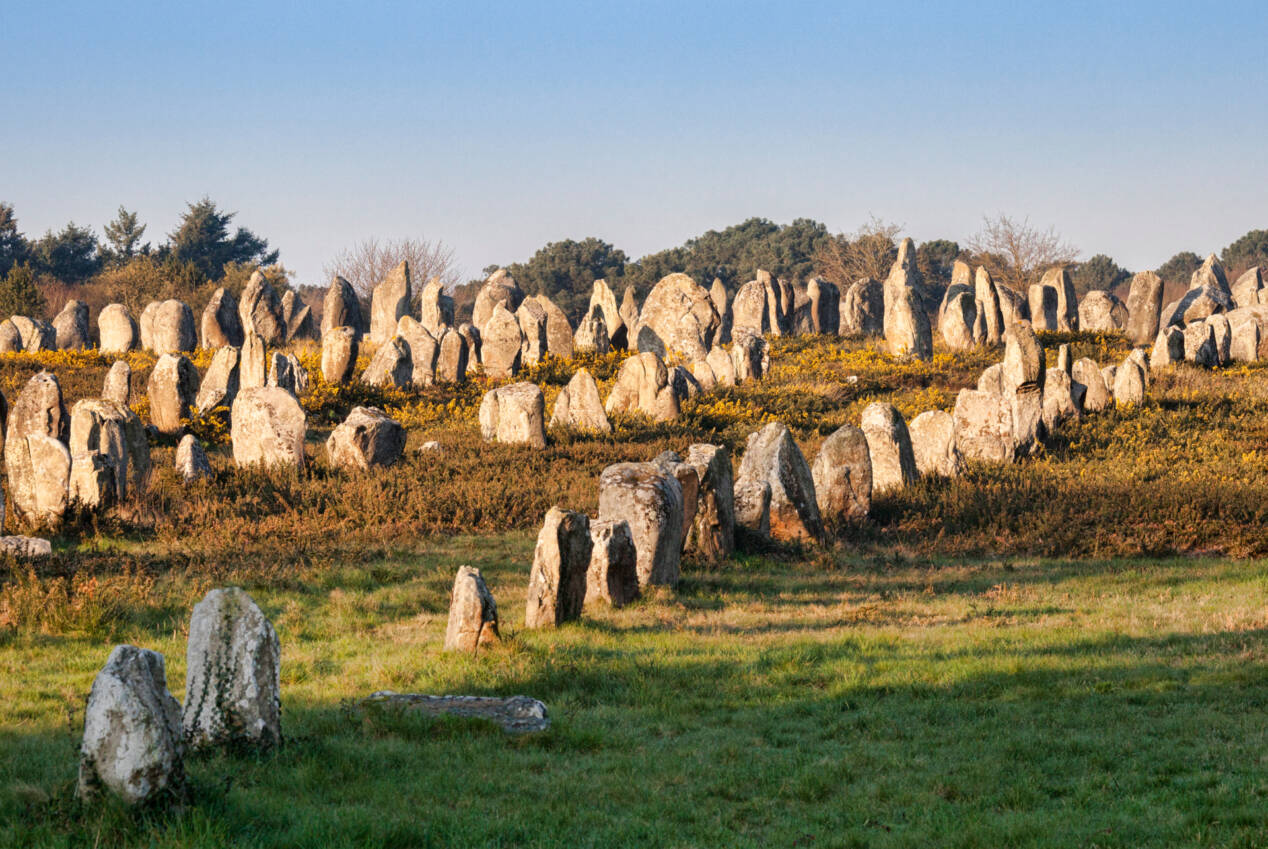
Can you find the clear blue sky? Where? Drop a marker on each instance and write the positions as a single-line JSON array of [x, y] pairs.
[[1136, 129]]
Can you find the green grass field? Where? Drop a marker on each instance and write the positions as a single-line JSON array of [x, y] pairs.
[[1070, 652]]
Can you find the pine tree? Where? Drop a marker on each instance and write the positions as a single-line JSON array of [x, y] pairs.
[[123, 234], [18, 293]]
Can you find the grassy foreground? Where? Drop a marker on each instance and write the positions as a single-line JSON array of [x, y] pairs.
[[777, 702]]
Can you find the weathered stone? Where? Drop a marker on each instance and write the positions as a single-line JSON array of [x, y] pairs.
[[145, 325], [516, 715], [579, 406], [339, 350], [721, 303], [752, 507], [117, 386], [842, 474], [389, 301], [172, 389], [1199, 345], [117, 329], [1129, 384], [341, 308], [436, 311], [722, 366], [773, 457], [220, 383], [613, 573], [750, 310], [751, 357], [592, 332], [390, 366], [557, 582], [29, 548], [109, 453], [468, 331], [367, 437], [688, 479], [1211, 274], [1067, 302], [958, 320], [533, 342], [652, 503], [232, 673], [825, 306], [452, 361], [1168, 348], [514, 414], [684, 383], [10, 337], [191, 460], [712, 532], [253, 365], [703, 374], [1096, 395], [260, 311], [907, 331], [1222, 333], [603, 304], [678, 319], [132, 746], [172, 328], [889, 445], [70, 327], [268, 428], [1063, 357], [1144, 307], [933, 444], [1024, 360], [37, 334], [1012, 305], [424, 350], [502, 343], [1101, 312], [1249, 289], [1059, 402], [297, 317], [221, 326], [987, 300], [640, 384], [558, 329], [473, 614], [1244, 347], [629, 314], [863, 308], [983, 426], [1043, 307], [499, 289]]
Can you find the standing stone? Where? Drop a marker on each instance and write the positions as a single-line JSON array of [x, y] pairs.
[[37, 334], [286, 371], [651, 501], [133, 746], [1129, 384], [499, 289], [889, 446], [118, 384], [1249, 289], [1144, 308], [751, 357], [1024, 360], [502, 343], [389, 302], [1199, 345], [232, 674], [1059, 400], [933, 444], [842, 474], [145, 325], [958, 320], [613, 573], [70, 327], [907, 331], [436, 308], [1222, 333], [984, 426], [367, 437], [678, 318], [592, 333], [863, 308], [987, 300], [514, 415], [253, 365], [752, 507], [108, 452], [825, 306], [221, 325], [722, 366], [341, 308], [1043, 307], [339, 350], [260, 311], [641, 386], [671, 464], [473, 614], [172, 390], [1168, 348], [191, 460], [297, 318], [117, 329], [1012, 305], [424, 350], [1096, 395], [220, 383], [451, 362], [1101, 312], [1067, 302], [268, 428], [1244, 347], [533, 343], [390, 367], [557, 582], [579, 406], [750, 311], [702, 374], [468, 331], [629, 314], [10, 337], [721, 303], [712, 532], [1063, 357], [603, 300], [771, 456], [558, 329], [172, 328]]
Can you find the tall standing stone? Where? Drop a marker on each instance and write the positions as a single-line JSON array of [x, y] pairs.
[[712, 532], [390, 367], [389, 302], [642, 385], [260, 311], [268, 428], [592, 333], [721, 303], [1096, 395], [603, 299], [613, 573], [750, 311], [629, 314], [933, 444], [825, 306], [473, 614], [133, 746], [842, 474], [958, 320], [172, 328], [863, 308], [232, 674], [117, 329], [907, 331], [452, 361], [771, 456], [220, 383], [172, 389], [1144, 308], [889, 446], [436, 308], [651, 501], [339, 349], [533, 342], [341, 308], [986, 297], [500, 289], [110, 455], [557, 582], [1101, 312], [221, 325], [71, 327], [117, 386], [678, 318], [579, 406], [424, 350], [558, 329], [191, 460], [502, 343]]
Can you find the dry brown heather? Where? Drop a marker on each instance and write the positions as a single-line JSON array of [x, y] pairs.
[[1185, 473]]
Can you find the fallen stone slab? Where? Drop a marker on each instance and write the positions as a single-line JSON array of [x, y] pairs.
[[30, 547], [516, 715]]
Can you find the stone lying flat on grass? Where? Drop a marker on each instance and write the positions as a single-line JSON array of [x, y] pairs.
[[29, 547], [516, 715]]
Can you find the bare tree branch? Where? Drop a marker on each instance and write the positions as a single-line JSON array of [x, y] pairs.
[[1016, 253], [366, 264], [867, 252]]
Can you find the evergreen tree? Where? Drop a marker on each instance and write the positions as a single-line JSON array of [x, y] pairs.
[[203, 239], [19, 295], [1098, 273], [1249, 250], [13, 248], [124, 234], [1178, 269], [70, 255]]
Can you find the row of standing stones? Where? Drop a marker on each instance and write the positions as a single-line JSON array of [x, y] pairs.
[[136, 734]]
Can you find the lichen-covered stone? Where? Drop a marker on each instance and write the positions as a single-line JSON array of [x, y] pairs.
[[557, 582]]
